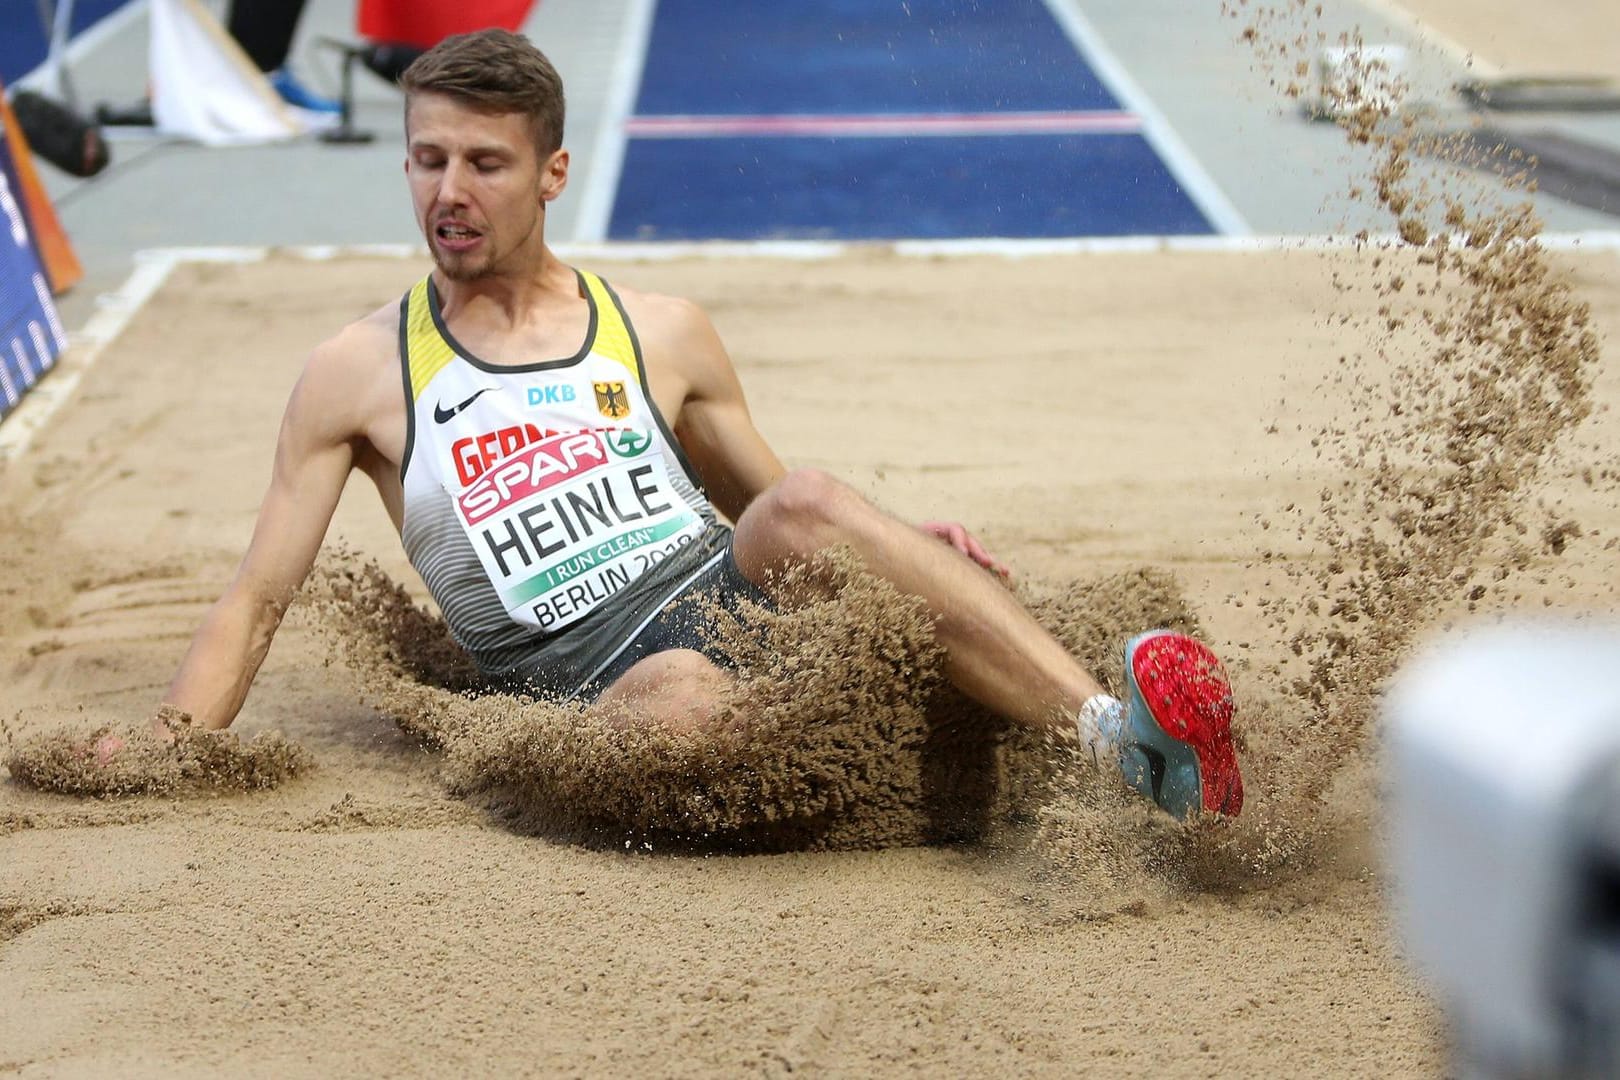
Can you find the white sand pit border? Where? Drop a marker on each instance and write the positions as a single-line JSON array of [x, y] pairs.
[[153, 267]]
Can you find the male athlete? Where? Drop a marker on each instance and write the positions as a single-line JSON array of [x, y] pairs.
[[554, 454]]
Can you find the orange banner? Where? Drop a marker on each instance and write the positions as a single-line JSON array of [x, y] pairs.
[[62, 267]]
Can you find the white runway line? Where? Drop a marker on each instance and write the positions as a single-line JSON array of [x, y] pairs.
[[607, 156], [814, 250], [84, 348], [327, 252], [154, 265], [811, 250], [1205, 193]]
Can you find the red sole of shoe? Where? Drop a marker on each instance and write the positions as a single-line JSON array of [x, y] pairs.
[[1184, 684]]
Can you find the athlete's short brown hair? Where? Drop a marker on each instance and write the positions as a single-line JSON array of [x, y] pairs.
[[494, 71]]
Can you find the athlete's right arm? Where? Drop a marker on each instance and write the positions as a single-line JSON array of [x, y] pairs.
[[314, 453]]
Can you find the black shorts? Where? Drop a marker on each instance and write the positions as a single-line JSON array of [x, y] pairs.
[[683, 622]]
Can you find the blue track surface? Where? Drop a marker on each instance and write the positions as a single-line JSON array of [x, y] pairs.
[[22, 37], [720, 60], [871, 56], [871, 189]]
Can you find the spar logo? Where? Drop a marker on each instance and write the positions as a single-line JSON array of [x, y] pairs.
[[626, 442], [545, 463], [477, 454]]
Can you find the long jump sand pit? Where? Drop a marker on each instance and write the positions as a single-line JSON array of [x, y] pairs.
[[1155, 436]]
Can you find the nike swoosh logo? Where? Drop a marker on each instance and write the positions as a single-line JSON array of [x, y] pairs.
[[441, 415]]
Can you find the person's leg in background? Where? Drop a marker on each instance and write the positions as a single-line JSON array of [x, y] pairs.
[[265, 29]]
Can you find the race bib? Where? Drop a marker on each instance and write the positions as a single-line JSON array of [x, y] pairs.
[[563, 524]]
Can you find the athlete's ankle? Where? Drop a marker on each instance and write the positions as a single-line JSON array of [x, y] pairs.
[[1100, 722]]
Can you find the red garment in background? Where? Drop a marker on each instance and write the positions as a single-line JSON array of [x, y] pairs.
[[425, 23]]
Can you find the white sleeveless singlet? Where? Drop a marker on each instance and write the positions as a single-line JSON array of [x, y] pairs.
[[540, 497]]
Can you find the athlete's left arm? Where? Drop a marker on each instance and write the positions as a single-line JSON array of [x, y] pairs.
[[685, 356]]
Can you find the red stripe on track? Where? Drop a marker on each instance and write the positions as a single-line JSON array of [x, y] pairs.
[[886, 124]]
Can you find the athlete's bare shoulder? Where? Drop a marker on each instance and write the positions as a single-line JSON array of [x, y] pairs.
[[366, 342], [673, 331], [652, 311], [350, 386]]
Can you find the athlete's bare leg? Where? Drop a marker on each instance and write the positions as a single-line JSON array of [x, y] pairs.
[[1172, 743], [678, 689], [995, 652]]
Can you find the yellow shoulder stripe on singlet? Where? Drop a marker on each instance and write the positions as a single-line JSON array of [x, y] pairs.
[[612, 333], [425, 348], [427, 352]]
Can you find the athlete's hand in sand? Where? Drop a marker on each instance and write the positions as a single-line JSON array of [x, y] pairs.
[[107, 747], [166, 724], [954, 534]]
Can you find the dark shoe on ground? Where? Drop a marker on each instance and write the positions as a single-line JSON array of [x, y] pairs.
[[137, 115]]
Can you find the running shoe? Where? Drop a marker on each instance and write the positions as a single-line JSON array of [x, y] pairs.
[[296, 93], [1176, 745]]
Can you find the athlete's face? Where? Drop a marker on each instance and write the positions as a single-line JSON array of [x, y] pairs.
[[479, 185]]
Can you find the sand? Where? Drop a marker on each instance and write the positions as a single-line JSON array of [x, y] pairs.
[[1313, 459], [1563, 39], [373, 913]]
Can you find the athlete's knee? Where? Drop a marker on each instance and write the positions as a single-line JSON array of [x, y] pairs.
[[803, 509], [678, 688]]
